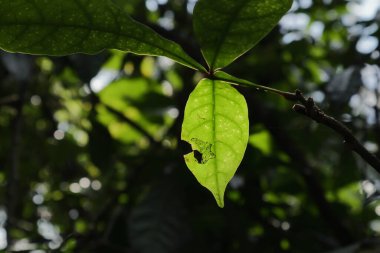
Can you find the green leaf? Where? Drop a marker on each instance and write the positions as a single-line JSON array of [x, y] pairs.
[[228, 28], [217, 127], [57, 27]]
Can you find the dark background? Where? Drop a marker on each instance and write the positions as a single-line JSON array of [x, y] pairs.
[[85, 169]]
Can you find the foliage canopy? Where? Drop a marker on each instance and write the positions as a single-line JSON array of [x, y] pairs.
[[92, 146]]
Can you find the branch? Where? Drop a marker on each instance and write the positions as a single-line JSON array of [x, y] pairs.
[[308, 108]]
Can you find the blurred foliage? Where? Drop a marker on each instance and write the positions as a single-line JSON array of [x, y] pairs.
[[91, 160]]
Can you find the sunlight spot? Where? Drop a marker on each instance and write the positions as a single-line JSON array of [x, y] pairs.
[[96, 185], [173, 113], [295, 21], [164, 63], [371, 76], [151, 5], [59, 135], [75, 188], [316, 29], [167, 21], [371, 146], [375, 55], [23, 245], [368, 187], [81, 137], [50, 232], [35, 100], [305, 4], [84, 182], [190, 6], [290, 37], [276, 223], [63, 126], [237, 182], [285, 226], [375, 225], [167, 89], [318, 96], [74, 214], [3, 239], [365, 10], [367, 44], [38, 199], [102, 79]]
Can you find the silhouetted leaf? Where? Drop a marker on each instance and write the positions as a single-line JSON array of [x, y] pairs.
[[158, 224], [226, 29], [58, 27]]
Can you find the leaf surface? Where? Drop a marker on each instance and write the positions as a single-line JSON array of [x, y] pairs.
[[63, 27], [228, 28], [217, 127]]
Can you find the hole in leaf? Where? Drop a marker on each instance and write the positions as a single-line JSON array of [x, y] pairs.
[[201, 152], [198, 156]]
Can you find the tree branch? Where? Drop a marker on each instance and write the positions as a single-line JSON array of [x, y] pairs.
[[308, 108]]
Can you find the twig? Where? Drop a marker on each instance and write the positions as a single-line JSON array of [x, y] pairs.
[[308, 108]]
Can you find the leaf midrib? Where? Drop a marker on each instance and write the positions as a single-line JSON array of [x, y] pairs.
[[214, 140], [224, 34], [119, 34]]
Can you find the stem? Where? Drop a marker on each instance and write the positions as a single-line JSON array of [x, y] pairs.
[[287, 95], [309, 109]]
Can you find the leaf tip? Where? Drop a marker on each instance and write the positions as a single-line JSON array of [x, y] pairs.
[[219, 197], [220, 203]]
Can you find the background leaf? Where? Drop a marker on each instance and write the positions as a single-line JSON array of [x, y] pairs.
[[76, 26], [159, 223], [216, 125], [227, 29]]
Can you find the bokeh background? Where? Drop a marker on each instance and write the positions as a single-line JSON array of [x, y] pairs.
[[91, 157]]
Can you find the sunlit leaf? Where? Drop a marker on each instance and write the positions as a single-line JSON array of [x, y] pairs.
[[216, 125], [139, 99], [226, 29], [57, 27]]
